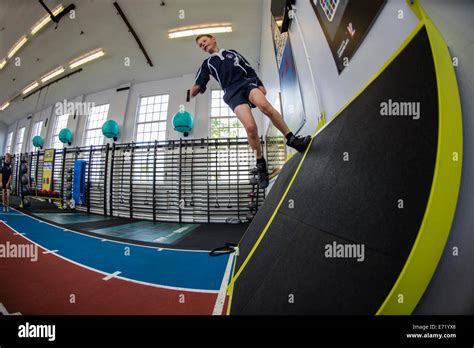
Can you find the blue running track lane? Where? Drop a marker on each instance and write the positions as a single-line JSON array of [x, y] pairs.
[[183, 269]]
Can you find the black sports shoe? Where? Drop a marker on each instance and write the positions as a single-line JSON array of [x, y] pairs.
[[262, 175], [299, 143]]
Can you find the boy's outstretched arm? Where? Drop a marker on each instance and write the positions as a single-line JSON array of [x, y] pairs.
[[195, 90], [202, 78]]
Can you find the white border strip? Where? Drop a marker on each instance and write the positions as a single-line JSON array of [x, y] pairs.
[[219, 306]]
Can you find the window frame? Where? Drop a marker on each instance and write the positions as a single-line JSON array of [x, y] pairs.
[[40, 122], [52, 140], [86, 130], [8, 142], [165, 121], [20, 131]]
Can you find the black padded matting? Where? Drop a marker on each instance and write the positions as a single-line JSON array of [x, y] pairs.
[[348, 202]]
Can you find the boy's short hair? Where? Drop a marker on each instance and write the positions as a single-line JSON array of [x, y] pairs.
[[8, 155], [205, 35]]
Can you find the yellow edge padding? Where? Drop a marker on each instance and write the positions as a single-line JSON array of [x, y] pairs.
[[379, 72], [434, 231]]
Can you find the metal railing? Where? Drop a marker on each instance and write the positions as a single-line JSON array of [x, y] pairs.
[[199, 180]]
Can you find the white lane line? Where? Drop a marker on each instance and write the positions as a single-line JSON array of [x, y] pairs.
[[163, 239], [181, 230], [110, 276], [219, 306], [103, 240], [50, 252], [19, 234]]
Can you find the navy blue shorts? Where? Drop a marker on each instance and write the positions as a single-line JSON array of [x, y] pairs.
[[4, 183], [238, 94]]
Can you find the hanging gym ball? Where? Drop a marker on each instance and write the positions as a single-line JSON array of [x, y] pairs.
[[65, 136], [183, 122], [111, 130]]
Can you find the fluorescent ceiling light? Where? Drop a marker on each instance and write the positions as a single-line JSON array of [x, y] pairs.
[[86, 58], [46, 19], [51, 74], [30, 88], [194, 31], [4, 106], [3, 62], [17, 46]]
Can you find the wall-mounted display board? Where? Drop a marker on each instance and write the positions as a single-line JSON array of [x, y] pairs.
[[345, 24]]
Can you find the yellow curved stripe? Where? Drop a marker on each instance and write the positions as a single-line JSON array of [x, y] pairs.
[[434, 231]]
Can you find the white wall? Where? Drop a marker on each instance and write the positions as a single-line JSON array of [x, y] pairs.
[[384, 38], [268, 65], [42, 115], [123, 109], [176, 88]]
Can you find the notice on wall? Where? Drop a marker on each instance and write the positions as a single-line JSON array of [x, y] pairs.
[[291, 100], [345, 24], [279, 40], [48, 162]]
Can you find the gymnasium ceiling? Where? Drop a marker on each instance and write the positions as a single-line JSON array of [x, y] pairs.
[[98, 25]]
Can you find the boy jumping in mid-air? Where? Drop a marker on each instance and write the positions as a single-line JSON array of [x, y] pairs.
[[243, 91], [6, 181]]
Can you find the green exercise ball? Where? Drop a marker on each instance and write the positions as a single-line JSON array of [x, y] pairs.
[[183, 122], [111, 129], [38, 141], [65, 136]]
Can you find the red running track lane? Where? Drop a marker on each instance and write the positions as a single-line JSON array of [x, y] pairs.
[[44, 287]]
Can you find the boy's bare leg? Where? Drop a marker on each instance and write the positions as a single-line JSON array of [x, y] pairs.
[[257, 98], [244, 114]]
